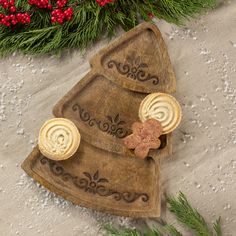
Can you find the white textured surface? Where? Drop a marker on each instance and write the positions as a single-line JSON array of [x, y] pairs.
[[204, 161]]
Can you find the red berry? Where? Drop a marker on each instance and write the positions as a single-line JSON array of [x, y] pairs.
[[5, 5], [150, 15], [103, 2], [53, 19], [60, 20], [7, 18], [18, 15], [5, 21], [14, 22], [12, 9], [12, 2], [28, 20]]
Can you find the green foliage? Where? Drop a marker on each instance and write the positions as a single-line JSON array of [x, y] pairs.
[[188, 215], [112, 231], [217, 227], [172, 230], [184, 213], [89, 22]]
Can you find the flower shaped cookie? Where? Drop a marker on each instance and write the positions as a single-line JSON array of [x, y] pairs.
[[145, 136]]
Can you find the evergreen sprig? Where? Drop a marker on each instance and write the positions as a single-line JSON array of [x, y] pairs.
[[89, 21], [184, 213]]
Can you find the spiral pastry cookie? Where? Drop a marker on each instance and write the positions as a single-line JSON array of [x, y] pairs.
[[162, 107], [58, 139]]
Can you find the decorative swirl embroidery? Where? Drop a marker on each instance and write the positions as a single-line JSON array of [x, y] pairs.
[[92, 183], [112, 126], [134, 69]]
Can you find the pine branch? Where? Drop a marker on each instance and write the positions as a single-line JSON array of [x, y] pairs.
[[189, 216], [89, 22], [184, 212]]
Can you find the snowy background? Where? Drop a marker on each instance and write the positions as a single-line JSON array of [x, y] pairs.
[[203, 164]]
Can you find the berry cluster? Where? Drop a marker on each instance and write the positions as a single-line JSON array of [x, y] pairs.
[[8, 5], [43, 4], [102, 3], [59, 16], [8, 20], [61, 3], [13, 18]]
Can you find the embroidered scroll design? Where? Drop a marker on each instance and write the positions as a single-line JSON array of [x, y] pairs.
[[92, 183], [134, 69], [112, 126]]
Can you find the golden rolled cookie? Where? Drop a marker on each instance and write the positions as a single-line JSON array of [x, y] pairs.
[[162, 107], [59, 139]]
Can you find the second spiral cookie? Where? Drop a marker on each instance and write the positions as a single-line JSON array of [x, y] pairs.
[[162, 107]]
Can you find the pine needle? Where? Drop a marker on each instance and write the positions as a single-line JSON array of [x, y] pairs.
[[217, 227], [153, 232], [172, 230]]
